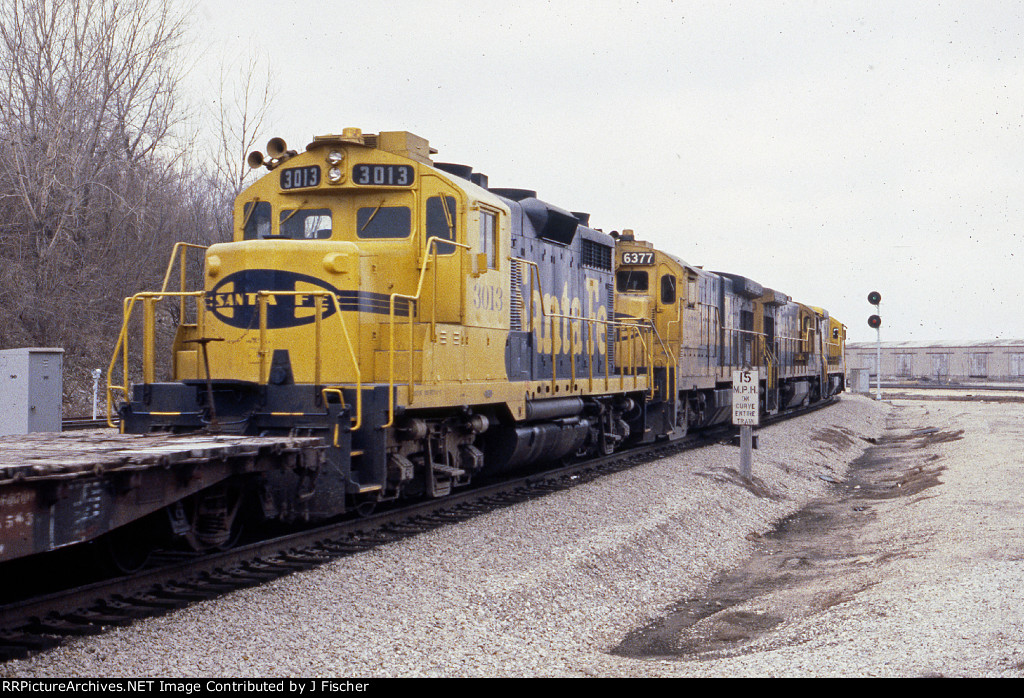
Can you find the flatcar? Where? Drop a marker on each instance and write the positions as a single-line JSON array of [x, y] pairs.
[[416, 329]]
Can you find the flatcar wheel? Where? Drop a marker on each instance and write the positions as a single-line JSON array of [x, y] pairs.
[[215, 520], [126, 550], [366, 507]]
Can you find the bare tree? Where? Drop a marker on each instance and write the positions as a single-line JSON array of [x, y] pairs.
[[91, 167], [88, 94], [96, 183], [242, 107]]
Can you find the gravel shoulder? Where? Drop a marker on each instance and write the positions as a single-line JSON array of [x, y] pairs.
[[900, 583]]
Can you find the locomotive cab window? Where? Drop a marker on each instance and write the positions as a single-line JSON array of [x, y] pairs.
[[442, 221], [383, 222], [668, 289], [256, 221], [306, 224], [488, 238], [626, 281]]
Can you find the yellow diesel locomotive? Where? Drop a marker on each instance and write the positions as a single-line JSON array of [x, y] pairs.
[[707, 325], [428, 328], [431, 329]]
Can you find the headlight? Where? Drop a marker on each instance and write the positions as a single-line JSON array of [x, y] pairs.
[[334, 175], [335, 157]]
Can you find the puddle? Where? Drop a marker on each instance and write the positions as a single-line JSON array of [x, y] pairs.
[[812, 560]]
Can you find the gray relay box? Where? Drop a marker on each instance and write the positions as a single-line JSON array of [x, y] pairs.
[[31, 390], [859, 380]]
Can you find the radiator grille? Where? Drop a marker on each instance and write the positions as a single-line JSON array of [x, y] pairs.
[[596, 255], [515, 306]]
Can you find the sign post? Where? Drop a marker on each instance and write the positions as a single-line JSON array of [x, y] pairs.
[[746, 413]]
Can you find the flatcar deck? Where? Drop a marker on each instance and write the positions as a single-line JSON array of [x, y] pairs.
[[57, 489], [49, 455]]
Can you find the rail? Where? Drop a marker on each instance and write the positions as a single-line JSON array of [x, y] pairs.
[[148, 300], [668, 357], [771, 366], [672, 388], [578, 324], [179, 254], [752, 336]]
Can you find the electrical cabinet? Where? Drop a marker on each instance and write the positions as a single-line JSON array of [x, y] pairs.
[[31, 390]]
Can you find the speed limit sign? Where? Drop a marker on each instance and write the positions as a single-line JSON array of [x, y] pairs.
[[745, 410]]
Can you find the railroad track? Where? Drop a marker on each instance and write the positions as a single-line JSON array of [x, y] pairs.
[[1009, 387], [174, 580], [954, 395], [78, 424]]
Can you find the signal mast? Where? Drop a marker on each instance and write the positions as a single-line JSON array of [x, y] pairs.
[[875, 321]]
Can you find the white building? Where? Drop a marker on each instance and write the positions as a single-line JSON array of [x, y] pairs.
[[944, 362]]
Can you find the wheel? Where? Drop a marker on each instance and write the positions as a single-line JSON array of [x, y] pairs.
[[365, 508], [214, 519], [127, 549]]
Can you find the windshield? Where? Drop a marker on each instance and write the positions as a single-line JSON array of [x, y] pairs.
[[257, 220], [383, 222], [626, 281], [306, 224]]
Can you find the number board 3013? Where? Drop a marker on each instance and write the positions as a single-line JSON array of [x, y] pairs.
[[638, 258], [383, 175], [300, 177]]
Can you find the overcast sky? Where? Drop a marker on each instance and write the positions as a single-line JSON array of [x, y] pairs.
[[824, 149]]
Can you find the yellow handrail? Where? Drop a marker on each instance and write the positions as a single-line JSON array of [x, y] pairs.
[[149, 299], [182, 248], [648, 352], [672, 386], [664, 349], [341, 399], [635, 325], [261, 299], [178, 253], [431, 249]]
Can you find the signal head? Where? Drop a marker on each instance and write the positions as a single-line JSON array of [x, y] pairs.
[[874, 322], [874, 298]]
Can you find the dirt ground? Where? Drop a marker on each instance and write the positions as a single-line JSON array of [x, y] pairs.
[[912, 568]]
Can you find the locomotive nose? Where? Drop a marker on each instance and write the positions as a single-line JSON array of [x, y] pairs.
[[285, 297]]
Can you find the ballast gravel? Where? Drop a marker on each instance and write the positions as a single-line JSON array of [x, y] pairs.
[[551, 586]]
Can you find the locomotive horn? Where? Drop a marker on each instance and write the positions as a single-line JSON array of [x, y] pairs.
[[255, 159], [276, 147]]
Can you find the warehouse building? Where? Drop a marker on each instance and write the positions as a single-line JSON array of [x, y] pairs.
[[999, 360]]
